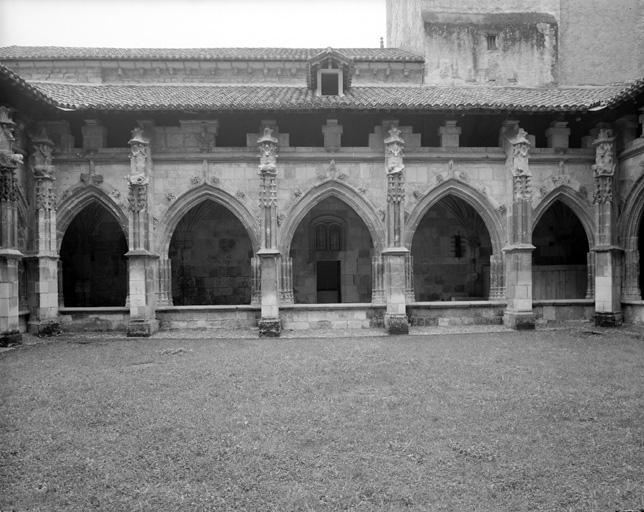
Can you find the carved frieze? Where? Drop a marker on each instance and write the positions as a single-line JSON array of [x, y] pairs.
[[8, 185], [603, 189], [45, 195], [138, 197], [267, 192], [560, 180], [91, 179], [395, 188], [522, 188]]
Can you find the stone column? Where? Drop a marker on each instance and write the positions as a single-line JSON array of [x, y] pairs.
[[395, 255], [285, 279], [518, 252], [9, 254], [269, 323], [590, 282], [631, 287], [378, 279], [42, 259], [332, 135], [558, 135], [164, 286], [608, 256], [497, 278], [142, 262], [449, 134]]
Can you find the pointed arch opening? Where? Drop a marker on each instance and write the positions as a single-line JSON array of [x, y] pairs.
[[210, 253], [93, 261], [451, 251], [560, 257], [331, 252]]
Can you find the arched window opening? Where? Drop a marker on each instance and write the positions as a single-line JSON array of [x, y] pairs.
[[559, 260], [93, 260], [331, 252], [210, 254], [451, 251]]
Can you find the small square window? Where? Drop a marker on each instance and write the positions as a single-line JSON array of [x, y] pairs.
[[491, 42], [330, 85]]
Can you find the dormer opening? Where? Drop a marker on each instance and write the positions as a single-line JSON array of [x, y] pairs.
[[330, 73]]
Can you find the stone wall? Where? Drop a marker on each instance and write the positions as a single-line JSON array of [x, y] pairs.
[[601, 41], [354, 255], [210, 257], [498, 49]]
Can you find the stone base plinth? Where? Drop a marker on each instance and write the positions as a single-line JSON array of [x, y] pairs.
[[519, 320], [270, 328], [142, 328], [10, 338], [609, 319], [397, 324], [45, 328]]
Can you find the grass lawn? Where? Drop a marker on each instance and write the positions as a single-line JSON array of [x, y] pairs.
[[548, 420]]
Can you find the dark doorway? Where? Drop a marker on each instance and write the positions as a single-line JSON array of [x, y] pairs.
[[93, 260], [328, 282]]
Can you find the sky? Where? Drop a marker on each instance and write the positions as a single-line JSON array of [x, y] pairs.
[[193, 23]]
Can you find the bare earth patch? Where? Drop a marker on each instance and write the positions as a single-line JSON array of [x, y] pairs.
[[490, 421]]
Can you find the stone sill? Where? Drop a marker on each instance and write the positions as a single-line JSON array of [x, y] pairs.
[[23, 312], [462, 304], [564, 302], [338, 306], [633, 302], [241, 307], [106, 309]]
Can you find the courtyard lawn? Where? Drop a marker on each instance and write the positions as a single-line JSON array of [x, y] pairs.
[[547, 420]]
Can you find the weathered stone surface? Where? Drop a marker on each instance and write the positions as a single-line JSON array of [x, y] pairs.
[[270, 328]]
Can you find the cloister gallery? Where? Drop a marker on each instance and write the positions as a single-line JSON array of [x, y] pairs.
[[306, 188]]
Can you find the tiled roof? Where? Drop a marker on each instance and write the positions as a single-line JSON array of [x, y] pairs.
[[272, 54], [243, 97], [626, 93], [15, 82]]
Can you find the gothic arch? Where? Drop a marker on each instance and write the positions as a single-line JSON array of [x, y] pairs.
[[365, 210], [631, 216], [480, 202], [193, 197], [579, 207], [74, 204]]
